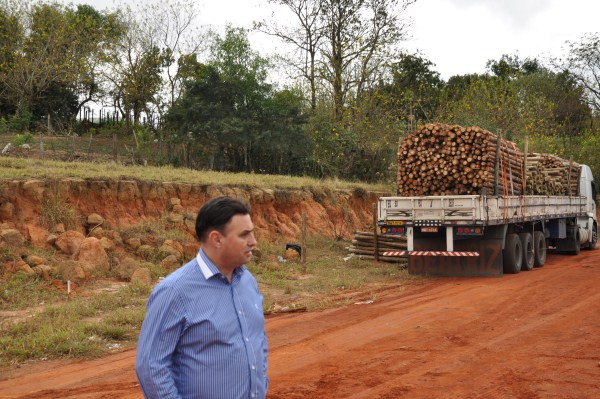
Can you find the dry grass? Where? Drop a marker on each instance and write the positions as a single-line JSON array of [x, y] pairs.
[[22, 168]]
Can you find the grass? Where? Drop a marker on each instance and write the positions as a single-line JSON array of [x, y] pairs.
[[328, 281], [83, 327], [96, 320], [21, 168], [21, 291]]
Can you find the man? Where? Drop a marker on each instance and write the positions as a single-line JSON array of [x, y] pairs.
[[204, 331]]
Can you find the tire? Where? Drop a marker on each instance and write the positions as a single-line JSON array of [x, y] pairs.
[[577, 243], [528, 252], [512, 255], [593, 243], [539, 249]]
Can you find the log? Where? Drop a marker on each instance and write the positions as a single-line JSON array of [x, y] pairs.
[[439, 159]]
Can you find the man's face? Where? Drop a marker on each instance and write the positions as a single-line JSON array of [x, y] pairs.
[[238, 241]]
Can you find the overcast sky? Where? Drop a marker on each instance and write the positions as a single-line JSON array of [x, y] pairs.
[[458, 36]]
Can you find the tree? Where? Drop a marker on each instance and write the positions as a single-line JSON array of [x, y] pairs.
[[342, 44], [304, 37], [415, 87], [54, 52], [583, 62], [360, 38]]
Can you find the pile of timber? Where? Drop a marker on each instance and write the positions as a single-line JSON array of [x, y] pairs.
[[551, 175], [363, 245], [441, 159]]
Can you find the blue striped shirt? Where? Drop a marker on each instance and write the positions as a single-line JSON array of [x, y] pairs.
[[203, 337]]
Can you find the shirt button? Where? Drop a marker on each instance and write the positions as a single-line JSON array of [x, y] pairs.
[[253, 395], [239, 311], [247, 339], [253, 368]]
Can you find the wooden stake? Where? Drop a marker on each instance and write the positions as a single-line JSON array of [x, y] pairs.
[[303, 244]]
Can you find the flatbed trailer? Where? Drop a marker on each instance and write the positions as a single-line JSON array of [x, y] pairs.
[[483, 235]]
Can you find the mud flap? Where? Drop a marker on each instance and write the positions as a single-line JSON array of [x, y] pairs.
[[487, 264]]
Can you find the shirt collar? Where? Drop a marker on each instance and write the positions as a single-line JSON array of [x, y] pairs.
[[209, 269]]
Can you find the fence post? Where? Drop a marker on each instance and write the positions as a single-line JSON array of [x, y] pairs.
[[375, 237], [303, 243]]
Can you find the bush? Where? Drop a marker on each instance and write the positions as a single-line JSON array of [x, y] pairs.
[[20, 139]]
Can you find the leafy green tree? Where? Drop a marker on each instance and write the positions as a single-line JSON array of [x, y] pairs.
[[230, 118], [54, 52], [416, 88]]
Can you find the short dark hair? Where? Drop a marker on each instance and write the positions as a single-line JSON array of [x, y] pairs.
[[216, 213]]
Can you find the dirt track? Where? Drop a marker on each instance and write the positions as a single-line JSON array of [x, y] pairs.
[[531, 335]]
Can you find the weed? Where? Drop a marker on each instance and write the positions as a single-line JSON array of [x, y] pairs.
[[20, 139], [55, 211], [20, 290], [58, 331]]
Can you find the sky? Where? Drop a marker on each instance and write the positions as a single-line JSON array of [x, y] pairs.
[[458, 36]]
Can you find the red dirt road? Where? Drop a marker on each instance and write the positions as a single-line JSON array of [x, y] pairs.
[[531, 335]]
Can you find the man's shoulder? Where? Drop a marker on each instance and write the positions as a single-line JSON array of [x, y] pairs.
[[183, 275]]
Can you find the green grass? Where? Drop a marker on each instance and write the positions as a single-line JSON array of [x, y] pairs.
[[20, 291], [21, 168], [82, 327]]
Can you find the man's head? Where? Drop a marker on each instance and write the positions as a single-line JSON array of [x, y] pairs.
[[217, 213], [225, 229]]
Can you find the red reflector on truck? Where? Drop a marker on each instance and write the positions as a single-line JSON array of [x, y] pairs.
[[430, 253]]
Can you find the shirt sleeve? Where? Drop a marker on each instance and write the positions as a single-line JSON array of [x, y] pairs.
[[160, 333]]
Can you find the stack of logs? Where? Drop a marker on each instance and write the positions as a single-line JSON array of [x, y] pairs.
[[551, 175], [363, 245], [440, 159]]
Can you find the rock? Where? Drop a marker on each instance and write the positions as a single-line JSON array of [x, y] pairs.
[[125, 268], [43, 271], [175, 218], [178, 209], [59, 228], [92, 256], [134, 243], [69, 242], [107, 244], [97, 232], [174, 201], [94, 219], [145, 251], [172, 248], [291, 254], [12, 238], [190, 225], [114, 236], [6, 149], [190, 250], [37, 236], [51, 239], [73, 271], [142, 276], [34, 260], [21, 266], [170, 263]]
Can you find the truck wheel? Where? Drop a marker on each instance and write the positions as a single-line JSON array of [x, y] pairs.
[[594, 240], [512, 255], [527, 244], [577, 244], [539, 249]]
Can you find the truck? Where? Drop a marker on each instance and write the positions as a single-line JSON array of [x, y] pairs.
[[490, 233]]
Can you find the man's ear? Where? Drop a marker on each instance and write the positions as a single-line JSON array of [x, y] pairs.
[[215, 238]]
